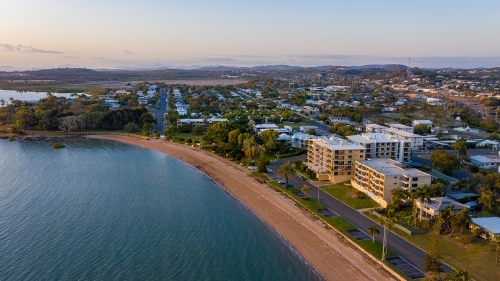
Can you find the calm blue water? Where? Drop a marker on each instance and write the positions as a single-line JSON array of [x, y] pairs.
[[100, 210], [27, 96]]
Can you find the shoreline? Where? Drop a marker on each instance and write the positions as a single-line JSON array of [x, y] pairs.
[[318, 247]]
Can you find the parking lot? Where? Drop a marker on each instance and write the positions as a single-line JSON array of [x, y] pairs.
[[410, 270], [358, 234]]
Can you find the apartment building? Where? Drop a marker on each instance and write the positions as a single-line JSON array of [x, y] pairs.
[[375, 128], [379, 145], [333, 159], [378, 177], [401, 127], [416, 141]]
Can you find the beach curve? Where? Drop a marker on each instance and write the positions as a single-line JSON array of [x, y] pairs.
[[320, 247]]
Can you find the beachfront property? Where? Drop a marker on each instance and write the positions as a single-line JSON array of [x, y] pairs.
[[378, 177], [489, 226], [485, 161], [258, 127], [436, 205], [333, 159], [379, 145]]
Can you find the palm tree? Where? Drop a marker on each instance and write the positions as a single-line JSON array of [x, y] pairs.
[[461, 275], [373, 231], [495, 242], [286, 170], [398, 195], [387, 221], [422, 194], [305, 189]]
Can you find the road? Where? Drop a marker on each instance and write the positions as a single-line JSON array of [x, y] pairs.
[[403, 248], [162, 109]]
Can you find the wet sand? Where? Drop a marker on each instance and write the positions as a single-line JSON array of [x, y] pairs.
[[320, 247]]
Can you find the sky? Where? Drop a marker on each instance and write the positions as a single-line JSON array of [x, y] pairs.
[[187, 33]]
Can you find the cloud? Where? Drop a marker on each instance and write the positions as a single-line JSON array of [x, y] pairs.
[[127, 52], [26, 49], [218, 59], [68, 57], [100, 58]]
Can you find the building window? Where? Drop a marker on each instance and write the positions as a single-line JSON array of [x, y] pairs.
[[414, 185], [415, 179]]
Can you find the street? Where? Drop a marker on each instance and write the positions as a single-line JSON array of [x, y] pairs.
[[162, 109]]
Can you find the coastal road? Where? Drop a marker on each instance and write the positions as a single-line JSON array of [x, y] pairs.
[[162, 109], [403, 248]]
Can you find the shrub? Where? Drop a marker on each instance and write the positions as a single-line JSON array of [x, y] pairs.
[[131, 127], [58, 145], [181, 139]]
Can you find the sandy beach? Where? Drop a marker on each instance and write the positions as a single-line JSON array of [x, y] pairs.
[[321, 247]]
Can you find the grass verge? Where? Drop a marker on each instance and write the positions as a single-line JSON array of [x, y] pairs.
[[341, 192]]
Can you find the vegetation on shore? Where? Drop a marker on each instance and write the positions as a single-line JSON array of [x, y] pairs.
[[58, 145]]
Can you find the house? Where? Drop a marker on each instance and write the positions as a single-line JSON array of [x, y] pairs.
[[304, 129], [488, 143], [378, 177], [258, 127], [490, 226], [485, 161], [333, 120], [428, 123], [437, 204]]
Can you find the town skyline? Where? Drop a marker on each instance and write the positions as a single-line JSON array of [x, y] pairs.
[[125, 34]]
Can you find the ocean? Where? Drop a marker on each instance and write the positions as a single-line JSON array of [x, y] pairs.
[[102, 210]]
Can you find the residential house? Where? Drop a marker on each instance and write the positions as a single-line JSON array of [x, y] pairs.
[[490, 226], [485, 161], [437, 204]]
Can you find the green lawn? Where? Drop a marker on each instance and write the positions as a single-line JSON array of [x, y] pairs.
[[460, 251], [341, 191], [186, 136]]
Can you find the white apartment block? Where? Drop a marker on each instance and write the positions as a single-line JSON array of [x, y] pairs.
[[398, 131], [375, 128], [378, 177], [333, 159], [379, 145], [401, 127], [417, 141]]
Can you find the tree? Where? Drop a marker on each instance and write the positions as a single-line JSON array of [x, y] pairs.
[[305, 189], [459, 275], [269, 137], [131, 127], [432, 262], [218, 133], [286, 170], [373, 230], [262, 163], [146, 127], [421, 129], [487, 200], [170, 132], [495, 243], [422, 194], [444, 161], [460, 147], [398, 195], [71, 123], [311, 131]]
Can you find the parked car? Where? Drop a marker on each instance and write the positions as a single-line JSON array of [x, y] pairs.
[[289, 184], [281, 181]]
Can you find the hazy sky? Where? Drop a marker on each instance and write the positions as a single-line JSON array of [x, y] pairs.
[[125, 33]]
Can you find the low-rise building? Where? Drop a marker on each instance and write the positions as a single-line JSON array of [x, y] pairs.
[[333, 159], [258, 127], [485, 161], [401, 127], [428, 123], [416, 141], [378, 177], [337, 119], [374, 128], [490, 226], [437, 204]]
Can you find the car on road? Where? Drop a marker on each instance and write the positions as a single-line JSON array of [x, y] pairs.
[[281, 181], [289, 184]]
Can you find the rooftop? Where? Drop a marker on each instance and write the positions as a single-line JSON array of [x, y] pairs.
[[390, 167], [491, 224]]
